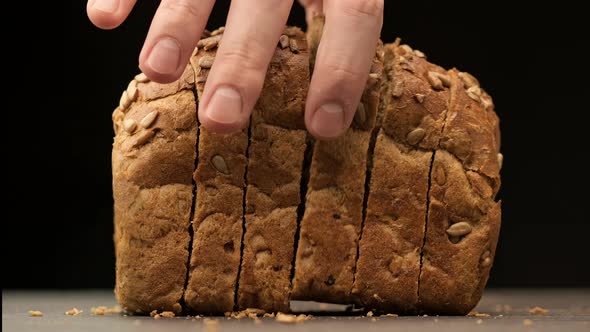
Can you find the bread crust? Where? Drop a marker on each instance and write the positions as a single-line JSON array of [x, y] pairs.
[[330, 228], [389, 256], [217, 220], [465, 181], [153, 193], [275, 165]]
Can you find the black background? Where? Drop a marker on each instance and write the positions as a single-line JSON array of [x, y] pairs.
[[530, 57]]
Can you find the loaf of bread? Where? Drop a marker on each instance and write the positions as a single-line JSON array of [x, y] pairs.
[[398, 215]]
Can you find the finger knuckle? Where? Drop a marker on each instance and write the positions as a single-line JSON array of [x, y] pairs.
[[181, 7], [363, 8], [241, 57], [343, 73]]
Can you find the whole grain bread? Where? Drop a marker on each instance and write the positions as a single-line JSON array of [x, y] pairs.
[[399, 214], [153, 154], [275, 164]]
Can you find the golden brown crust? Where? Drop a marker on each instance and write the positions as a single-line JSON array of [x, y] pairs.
[[413, 115], [152, 188], [464, 219], [389, 256], [331, 224], [276, 153], [417, 111], [217, 223], [274, 176]]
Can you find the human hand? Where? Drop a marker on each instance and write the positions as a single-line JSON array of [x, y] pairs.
[[252, 32]]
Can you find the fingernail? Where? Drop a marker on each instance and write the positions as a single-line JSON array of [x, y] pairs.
[[107, 6], [328, 121], [225, 106], [165, 56]]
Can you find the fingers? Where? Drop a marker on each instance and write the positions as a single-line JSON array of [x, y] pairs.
[[108, 14], [173, 35], [234, 83], [312, 8], [342, 64]]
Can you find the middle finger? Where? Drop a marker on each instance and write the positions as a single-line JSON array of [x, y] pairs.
[[252, 32]]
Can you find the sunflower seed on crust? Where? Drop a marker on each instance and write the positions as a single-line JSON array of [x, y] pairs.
[[459, 229], [129, 125], [149, 119], [219, 164], [284, 41]]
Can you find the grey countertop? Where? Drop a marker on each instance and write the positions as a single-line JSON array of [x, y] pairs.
[[508, 309]]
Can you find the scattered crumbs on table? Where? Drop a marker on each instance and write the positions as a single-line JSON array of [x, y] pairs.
[[35, 313], [73, 312], [477, 314], [538, 311]]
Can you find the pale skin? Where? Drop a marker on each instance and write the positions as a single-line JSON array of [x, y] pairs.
[[253, 29]]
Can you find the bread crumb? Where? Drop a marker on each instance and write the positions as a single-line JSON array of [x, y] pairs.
[[73, 312], [527, 322], [167, 314], [35, 313], [153, 313], [389, 315], [211, 325], [370, 314], [291, 319], [538, 311], [247, 313], [271, 315], [373, 319], [99, 311], [479, 321], [102, 310], [477, 314]]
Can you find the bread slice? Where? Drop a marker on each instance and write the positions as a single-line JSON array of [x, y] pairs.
[[217, 220], [413, 116], [275, 165], [331, 225], [464, 218], [153, 161]]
